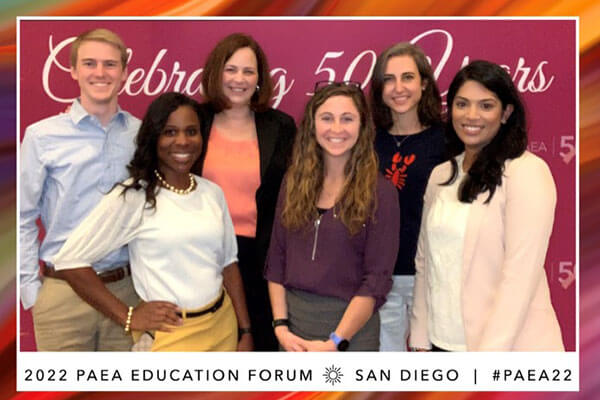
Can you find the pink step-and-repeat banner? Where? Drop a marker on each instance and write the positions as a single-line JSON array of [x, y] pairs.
[[168, 55]]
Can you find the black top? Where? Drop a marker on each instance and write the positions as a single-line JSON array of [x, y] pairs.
[[406, 161], [275, 131]]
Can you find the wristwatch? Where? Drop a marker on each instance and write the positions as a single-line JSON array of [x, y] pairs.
[[340, 343]]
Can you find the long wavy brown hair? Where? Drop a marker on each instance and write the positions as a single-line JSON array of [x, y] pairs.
[[304, 179]]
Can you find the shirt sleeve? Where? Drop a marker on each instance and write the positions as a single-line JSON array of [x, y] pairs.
[[419, 317], [276, 255], [230, 248], [529, 217], [32, 176], [381, 247], [111, 225]]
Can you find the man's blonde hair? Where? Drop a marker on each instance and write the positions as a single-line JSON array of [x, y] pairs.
[[99, 35]]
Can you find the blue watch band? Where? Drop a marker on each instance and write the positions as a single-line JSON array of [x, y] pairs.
[[341, 344], [335, 338]]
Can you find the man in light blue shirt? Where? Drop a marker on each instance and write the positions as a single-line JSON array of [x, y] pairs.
[[68, 162]]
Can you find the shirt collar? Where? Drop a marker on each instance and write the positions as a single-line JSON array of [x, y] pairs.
[[78, 113]]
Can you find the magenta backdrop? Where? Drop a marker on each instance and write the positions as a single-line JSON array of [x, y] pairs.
[[169, 54]]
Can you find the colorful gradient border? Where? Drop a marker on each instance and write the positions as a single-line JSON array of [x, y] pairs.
[[589, 157]]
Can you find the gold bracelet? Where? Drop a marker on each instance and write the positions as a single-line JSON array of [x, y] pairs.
[[128, 322]]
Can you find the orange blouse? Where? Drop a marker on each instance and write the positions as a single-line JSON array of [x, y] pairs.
[[234, 165]]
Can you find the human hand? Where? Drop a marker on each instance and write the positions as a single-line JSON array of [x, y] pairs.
[[418, 349], [320, 345], [288, 340], [155, 316], [246, 343], [414, 348]]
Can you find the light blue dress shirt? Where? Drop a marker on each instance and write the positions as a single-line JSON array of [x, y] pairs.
[[68, 162]]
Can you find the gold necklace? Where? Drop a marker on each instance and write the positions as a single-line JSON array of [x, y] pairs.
[[173, 188]]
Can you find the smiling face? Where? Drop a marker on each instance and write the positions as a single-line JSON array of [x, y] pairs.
[[402, 85], [240, 76], [477, 114], [99, 73], [337, 126], [179, 145]]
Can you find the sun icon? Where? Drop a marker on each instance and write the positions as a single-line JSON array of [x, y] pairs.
[[333, 375]]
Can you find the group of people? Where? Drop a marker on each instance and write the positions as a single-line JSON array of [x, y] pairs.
[[375, 225]]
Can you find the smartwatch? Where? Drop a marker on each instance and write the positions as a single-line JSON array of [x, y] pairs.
[[340, 343]]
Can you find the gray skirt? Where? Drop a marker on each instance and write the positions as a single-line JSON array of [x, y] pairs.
[[314, 317]]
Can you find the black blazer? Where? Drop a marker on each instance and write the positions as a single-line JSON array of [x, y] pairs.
[[275, 131]]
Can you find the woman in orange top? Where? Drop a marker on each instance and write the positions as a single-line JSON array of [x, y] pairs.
[[249, 145]]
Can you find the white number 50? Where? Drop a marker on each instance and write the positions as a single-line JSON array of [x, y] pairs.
[[350, 70], [330, 71]]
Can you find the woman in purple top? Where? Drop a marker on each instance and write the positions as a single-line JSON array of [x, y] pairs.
[[335, 236]]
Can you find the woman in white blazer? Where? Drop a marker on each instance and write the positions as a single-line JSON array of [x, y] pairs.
[[480, 283]]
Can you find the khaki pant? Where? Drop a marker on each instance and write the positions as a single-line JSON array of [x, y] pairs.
[[209, 332], [64, 322]]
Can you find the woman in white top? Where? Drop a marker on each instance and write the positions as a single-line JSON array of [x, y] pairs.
[[180, 236], [480, 283]]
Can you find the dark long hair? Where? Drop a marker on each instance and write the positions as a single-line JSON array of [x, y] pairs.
[[145, 159], [510, 142], [430, 106]]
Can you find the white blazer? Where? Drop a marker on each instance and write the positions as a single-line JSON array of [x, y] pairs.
[[505, 299]]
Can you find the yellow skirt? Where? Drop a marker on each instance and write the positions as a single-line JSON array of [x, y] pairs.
[[209, 332]]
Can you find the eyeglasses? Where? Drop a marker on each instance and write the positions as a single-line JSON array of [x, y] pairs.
[[323, 84]]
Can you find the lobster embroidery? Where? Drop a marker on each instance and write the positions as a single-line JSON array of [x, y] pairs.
[[397, 172]]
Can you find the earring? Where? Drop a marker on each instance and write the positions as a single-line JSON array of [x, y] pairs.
[[257, 88]]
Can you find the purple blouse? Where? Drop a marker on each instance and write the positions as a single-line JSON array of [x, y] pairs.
[[326, 260]]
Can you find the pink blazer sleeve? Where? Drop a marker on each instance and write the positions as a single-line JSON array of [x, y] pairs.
[[528, 220]]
